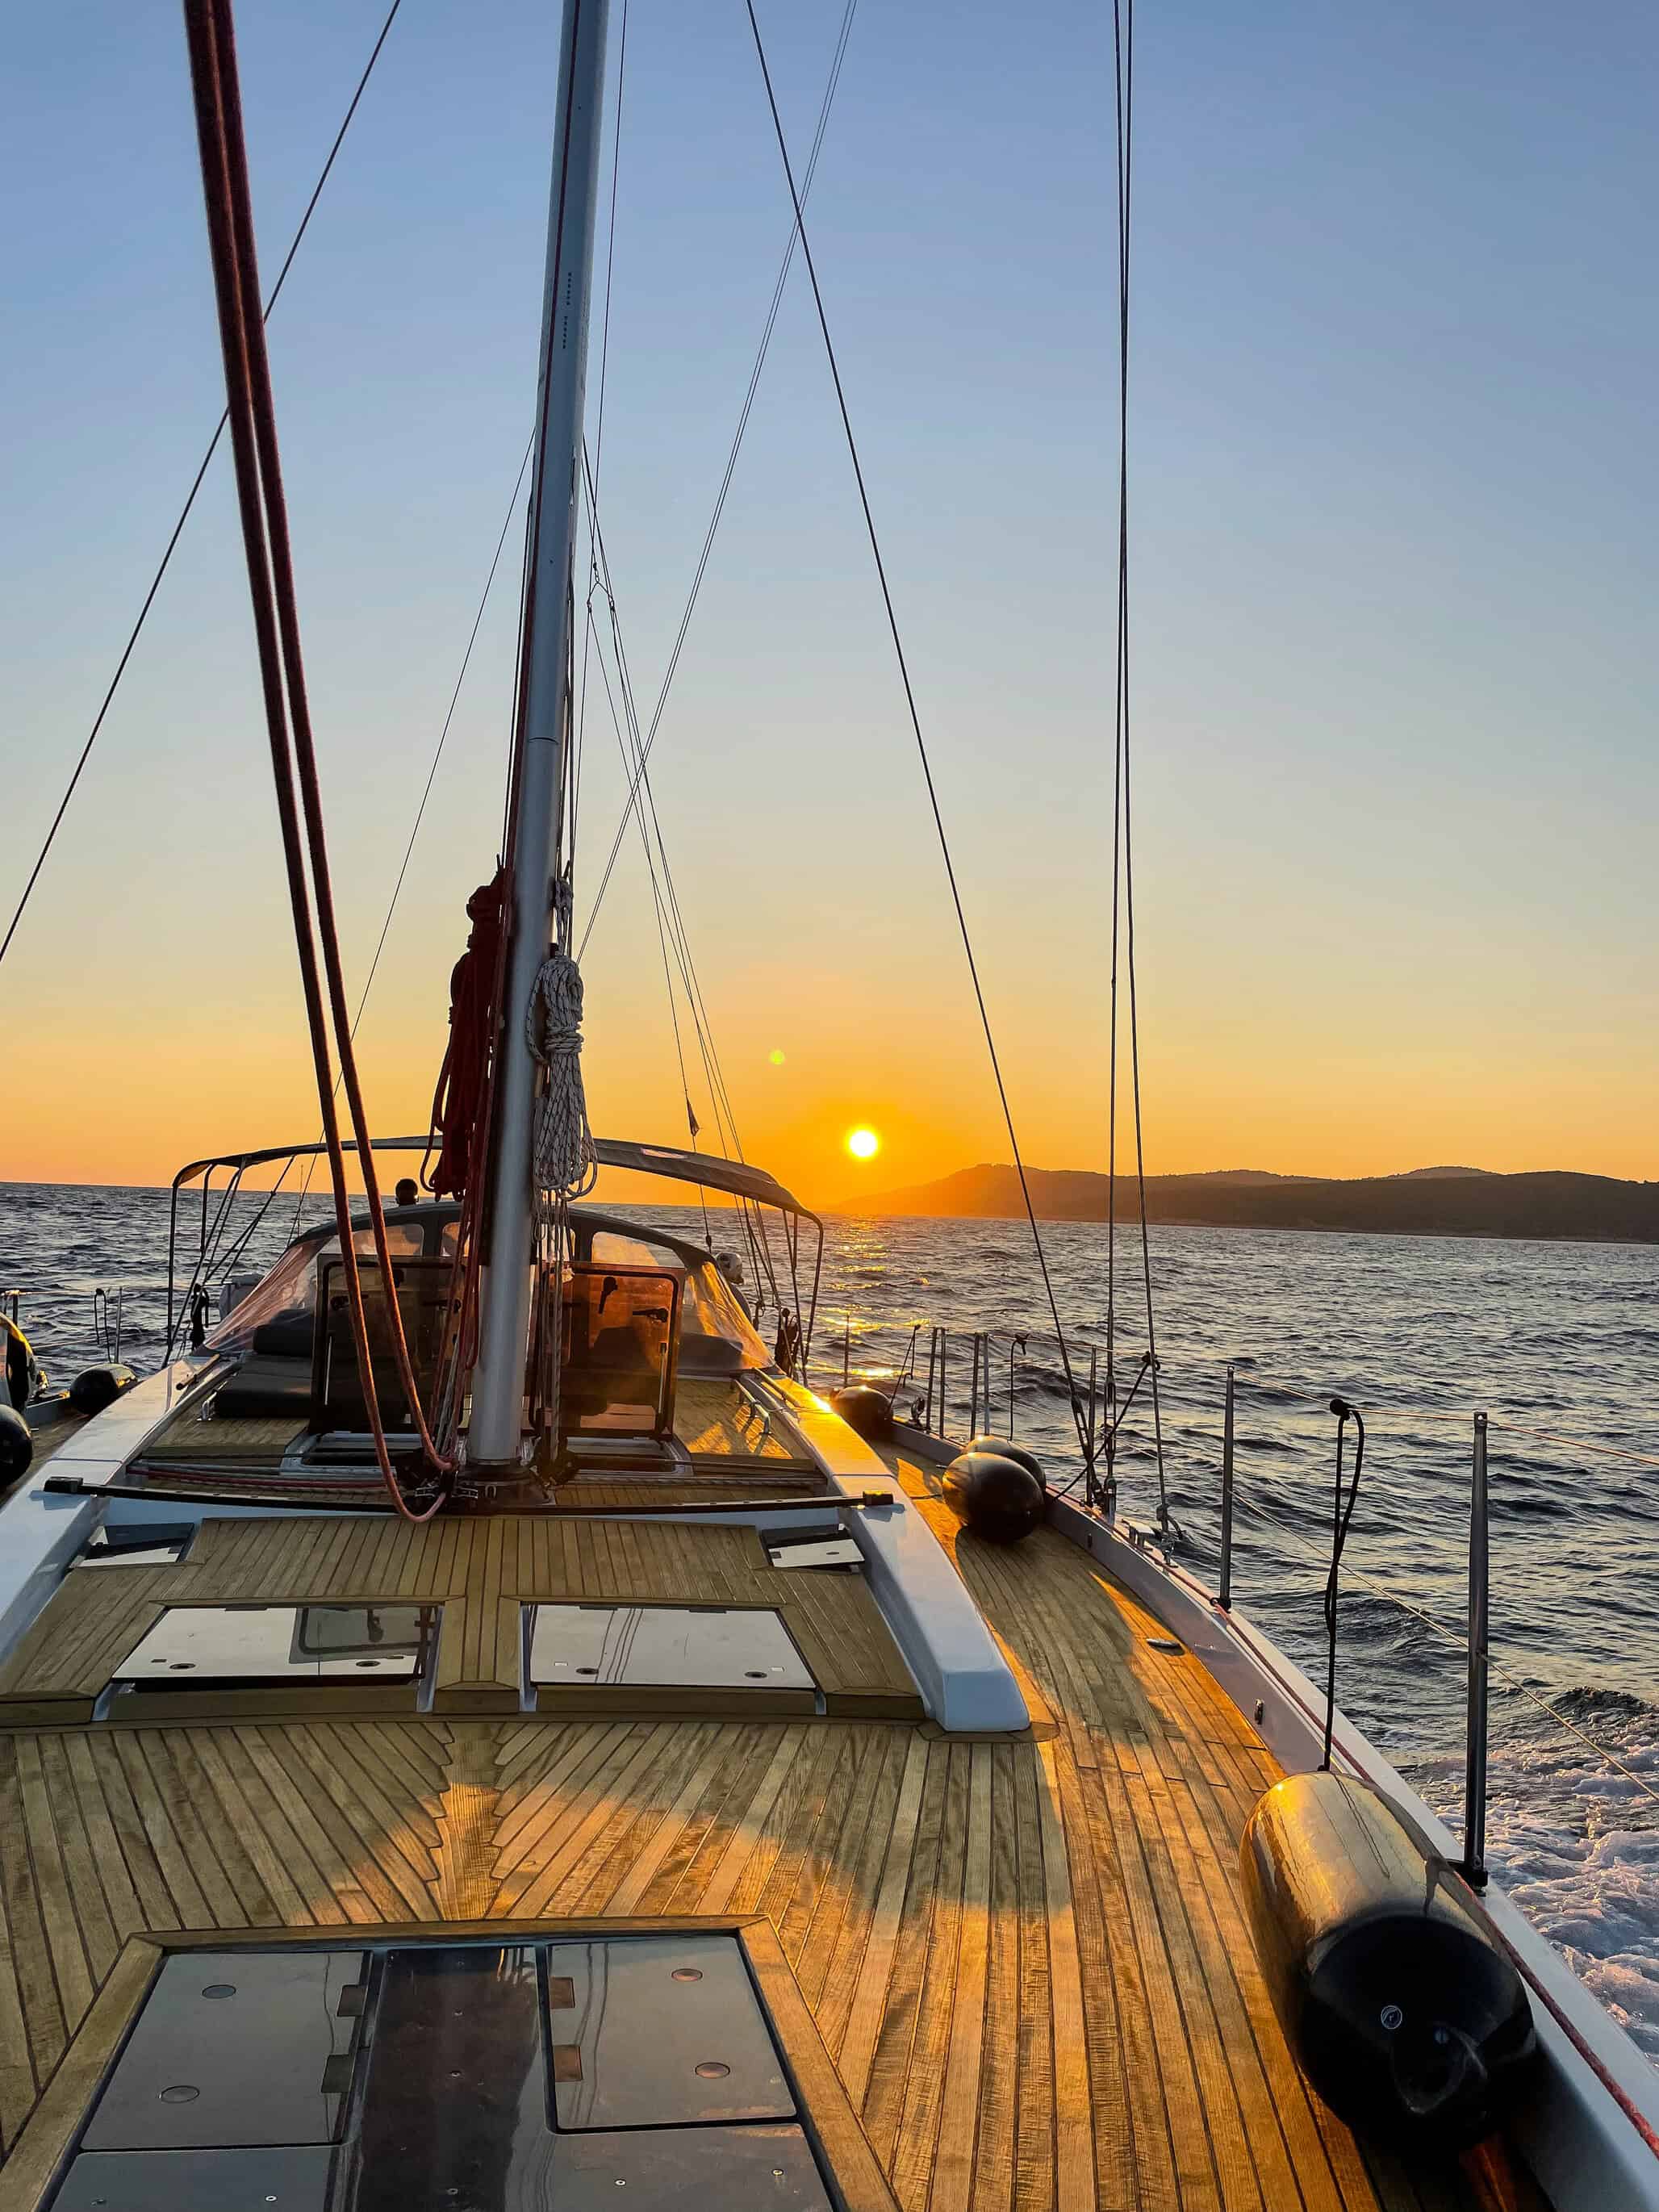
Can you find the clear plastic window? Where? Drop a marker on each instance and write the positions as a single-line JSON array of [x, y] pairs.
[[716, 1336], [289, 1292]]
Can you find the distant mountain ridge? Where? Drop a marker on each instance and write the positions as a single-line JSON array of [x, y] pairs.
[[1442, 1201]]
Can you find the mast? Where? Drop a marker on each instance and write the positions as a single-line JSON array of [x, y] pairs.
[[539, 797]]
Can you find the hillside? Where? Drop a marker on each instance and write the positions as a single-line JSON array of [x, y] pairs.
[[1436, 1202]]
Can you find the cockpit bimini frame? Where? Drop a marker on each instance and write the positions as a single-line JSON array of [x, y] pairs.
[[752, 1188]]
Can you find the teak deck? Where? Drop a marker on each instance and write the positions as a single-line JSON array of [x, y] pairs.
[[482, 1572], [1026, 1958]]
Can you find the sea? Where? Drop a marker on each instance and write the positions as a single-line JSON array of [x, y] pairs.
[[1558, 1343]]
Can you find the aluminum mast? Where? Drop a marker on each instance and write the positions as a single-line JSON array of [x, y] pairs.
[[498, 1380]]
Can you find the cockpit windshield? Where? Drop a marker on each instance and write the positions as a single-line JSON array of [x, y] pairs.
[[716, 1335]]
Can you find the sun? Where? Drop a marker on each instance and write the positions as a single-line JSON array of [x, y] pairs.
[[863, 1144]]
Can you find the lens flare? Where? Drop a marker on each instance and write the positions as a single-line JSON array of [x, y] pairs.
[[863, 1144]]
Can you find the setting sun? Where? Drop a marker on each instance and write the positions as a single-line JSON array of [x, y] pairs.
[[863, 1144]]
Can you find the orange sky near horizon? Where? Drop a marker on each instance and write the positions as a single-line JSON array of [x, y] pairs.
[[122, 1101]]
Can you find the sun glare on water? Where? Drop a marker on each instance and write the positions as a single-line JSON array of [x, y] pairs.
[[863, 1144]]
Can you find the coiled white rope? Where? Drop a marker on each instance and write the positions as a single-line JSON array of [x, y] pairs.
[[564, 1164]]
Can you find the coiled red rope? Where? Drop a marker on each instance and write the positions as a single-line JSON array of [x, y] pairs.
[[252, 411]]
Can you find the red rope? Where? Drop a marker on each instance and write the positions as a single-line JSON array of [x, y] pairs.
[[462, 1106], [461, 1079], [251, 410]]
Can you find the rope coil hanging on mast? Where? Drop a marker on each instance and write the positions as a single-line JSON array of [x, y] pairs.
[[565, 1165]]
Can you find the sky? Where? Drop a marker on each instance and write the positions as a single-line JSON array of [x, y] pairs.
[[1393, 569]]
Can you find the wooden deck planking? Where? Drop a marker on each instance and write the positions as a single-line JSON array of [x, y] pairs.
[[955, 1979], [481, 1572], [1027, 1958], [1085, 1640], [715, 1418]]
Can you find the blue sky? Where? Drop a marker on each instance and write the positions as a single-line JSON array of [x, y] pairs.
[[1394, 548]]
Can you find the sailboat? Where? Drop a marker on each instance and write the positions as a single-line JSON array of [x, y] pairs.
[[478, 1729]]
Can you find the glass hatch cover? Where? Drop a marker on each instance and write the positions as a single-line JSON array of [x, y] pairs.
[[193, 1645], [450, 2077], [665, 1646]]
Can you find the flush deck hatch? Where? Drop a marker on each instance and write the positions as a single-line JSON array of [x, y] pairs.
[[659, 2031], [445, 2076], [232, 2049], [667, 1646], [196, 1646]]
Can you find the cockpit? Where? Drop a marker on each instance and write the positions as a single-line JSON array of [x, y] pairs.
[[286, 1330]]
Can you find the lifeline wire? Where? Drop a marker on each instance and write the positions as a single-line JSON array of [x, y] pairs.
[[1609, 1758], [1084, 1437], [189, 497]]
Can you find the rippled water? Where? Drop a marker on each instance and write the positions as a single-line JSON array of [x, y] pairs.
[[1560, 1343]]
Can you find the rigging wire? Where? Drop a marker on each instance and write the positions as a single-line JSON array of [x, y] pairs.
[[251, 408], [757, 1233], [599, 434], [426, 794], [1085, 1437], [189, 496], [1123, 13], [443, 737], [662, 943], [671, 927], [590, 466], [1112, 1426], [743, 414], [642, 798], [610, 245], [1123, 968]]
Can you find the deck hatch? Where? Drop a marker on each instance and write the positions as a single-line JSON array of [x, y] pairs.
[[661, 2031], [297, 2179], [665, 1646], [231, 2049], [664, 2169], [816, 1548], [199, 1646], [424, 2076], [130, 1546]]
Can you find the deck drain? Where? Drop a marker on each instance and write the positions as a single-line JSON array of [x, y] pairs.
[[1163, 1643], [712, 2070]]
